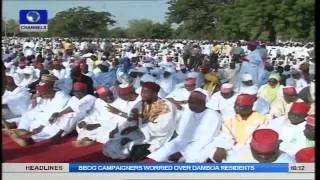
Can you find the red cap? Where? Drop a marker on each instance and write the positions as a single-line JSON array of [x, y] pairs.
[[44, 87], [152, 86], [305, 155], [300, 107], [101, 89], [80, 86], [226, 88], [198, 95], [289, 90], [265, 140], [9, 80], [245, 100], [190, 81], [311, 120], [124, 90]]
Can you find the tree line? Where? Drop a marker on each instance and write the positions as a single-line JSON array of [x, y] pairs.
[[206, 19]]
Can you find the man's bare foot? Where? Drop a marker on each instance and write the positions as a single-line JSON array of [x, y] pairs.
[[17, 139], [82, 143]]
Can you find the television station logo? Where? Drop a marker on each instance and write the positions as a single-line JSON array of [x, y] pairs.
[[33, 20]]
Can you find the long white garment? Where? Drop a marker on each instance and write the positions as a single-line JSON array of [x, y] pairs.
[[291, 135], [43, 111], [160, 131], [244, 155], [180, 94], [155, 134], [27, 81], [99, 115], [252, 67], [18, 102], [113, 147], [60, 74], [67, 122], [195, 131], [225, 106], [167, 84], [125, 106], [231, 75]]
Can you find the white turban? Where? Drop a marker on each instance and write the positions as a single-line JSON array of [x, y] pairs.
[[204, 92], [28, 70], [246, 77], [251, 90]]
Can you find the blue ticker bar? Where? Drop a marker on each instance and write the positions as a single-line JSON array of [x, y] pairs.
[[179, 168]]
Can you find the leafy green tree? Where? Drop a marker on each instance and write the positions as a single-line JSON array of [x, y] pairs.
[[11, 26], [161, 31], [198, 18], [80, 22], [243, 19], [144, 28], [117, 32], [140, 28]]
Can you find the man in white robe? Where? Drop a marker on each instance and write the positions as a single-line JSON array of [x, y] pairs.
[[296, 80], [179, 97], [291, 128], [15, 101], [97, 125], [167, 81], [263, 148], [281, 106], [155, 128], [260, 105], [58, 71], [245, 82], [197, 76], [223, 101], [62, 122], [197, 127], [127, 98], [254, 64], [181, 74], [28, 77]]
